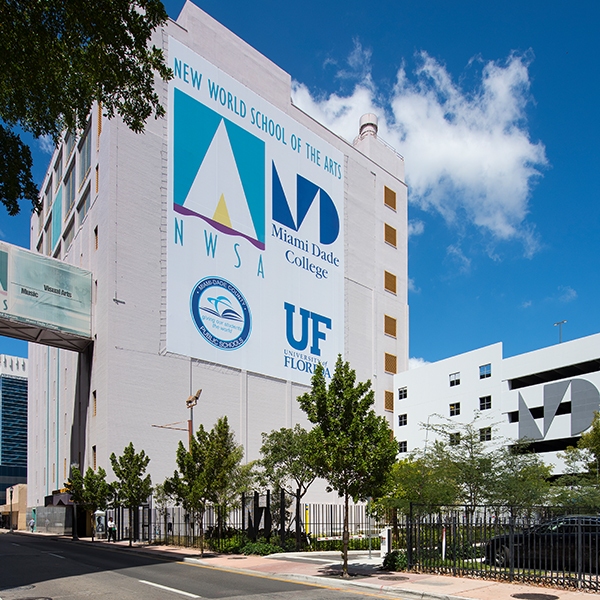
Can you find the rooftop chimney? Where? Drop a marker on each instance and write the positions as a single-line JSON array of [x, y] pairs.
[[368, 125]]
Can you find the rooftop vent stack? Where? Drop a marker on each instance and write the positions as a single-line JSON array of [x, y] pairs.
[[368, 125]]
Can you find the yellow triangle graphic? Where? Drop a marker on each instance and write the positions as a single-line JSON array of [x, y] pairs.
[[221, 213]]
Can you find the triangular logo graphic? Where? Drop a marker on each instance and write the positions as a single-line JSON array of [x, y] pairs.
[[222, 214], [528, 428], [219, 171]]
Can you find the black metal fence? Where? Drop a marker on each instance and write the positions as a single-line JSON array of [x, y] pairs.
[[542, 546]]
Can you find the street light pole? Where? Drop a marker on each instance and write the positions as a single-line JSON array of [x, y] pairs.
[[190, 403], [559, 324]]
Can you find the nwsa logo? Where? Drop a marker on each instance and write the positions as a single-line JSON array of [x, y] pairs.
[[307, 195]]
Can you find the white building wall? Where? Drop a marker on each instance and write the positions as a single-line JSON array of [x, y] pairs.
[[94, 404], [547, 397]]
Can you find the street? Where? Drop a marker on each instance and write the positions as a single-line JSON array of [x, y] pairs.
[[39, 567]]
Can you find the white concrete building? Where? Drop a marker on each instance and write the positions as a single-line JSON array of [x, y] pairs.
[[547, 396], [232, 246]]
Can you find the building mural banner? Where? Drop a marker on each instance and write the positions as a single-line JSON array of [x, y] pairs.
[[41, 291], [255, 275]]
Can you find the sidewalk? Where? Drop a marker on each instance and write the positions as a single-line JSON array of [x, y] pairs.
[[324, 569]]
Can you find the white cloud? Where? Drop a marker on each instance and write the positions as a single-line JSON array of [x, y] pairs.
[[566, 294], [415, 363], [415, 227], [468, 154], [457, 256], [46, 144], [412, 286]]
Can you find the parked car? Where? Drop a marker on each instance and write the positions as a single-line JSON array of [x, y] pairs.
[[569, 543]]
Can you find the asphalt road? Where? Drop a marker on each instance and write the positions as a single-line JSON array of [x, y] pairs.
[[35, 568]]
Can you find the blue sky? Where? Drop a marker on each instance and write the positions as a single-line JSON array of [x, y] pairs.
[[494, 107]]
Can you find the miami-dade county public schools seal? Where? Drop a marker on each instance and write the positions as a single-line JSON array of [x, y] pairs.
[[220, 313]]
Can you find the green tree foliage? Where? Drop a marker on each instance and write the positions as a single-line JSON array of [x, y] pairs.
[[521, 479], [287, 460], [589, 443], [353, 446], [132, 487], [90, 492], [210, 471], [418, 482], [58, 57]]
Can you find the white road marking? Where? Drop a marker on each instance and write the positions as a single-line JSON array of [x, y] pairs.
[[57, 555], [169, 589]]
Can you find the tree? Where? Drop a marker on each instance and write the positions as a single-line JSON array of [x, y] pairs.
[[90, 492], [353, 446], [521, 477], [61, 56], [287, 462], [462, 454], [210, 471], [589, 443], [132, 488], [418, 482]]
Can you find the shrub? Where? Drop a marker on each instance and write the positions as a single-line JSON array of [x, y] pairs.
[[396, 560], [261, 548]]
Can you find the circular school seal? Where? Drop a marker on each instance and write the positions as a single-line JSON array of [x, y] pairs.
[[220, 313]]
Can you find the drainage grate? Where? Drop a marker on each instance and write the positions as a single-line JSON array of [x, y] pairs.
[[534, 596], [393, 578]]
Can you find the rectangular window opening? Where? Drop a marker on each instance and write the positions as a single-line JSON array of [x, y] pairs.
[[454, 379], [402, 420], [402, 393], [389, 400], [403, 447], [455, 409], [485, 402], [391, 363], [485, 371], [485, 434], [389, 325], [389, 198], [390, 235], [389, 282]]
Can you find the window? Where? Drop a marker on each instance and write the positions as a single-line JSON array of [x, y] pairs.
[[454, 439], [85, 156], [485, 434], [389, 325], [389, 197], [94, 457], [389, 282], [96, 237], [390, 363], [97, 178], [454, 379], [389, 400], [69, 189], [94, 403], [68, 234], [485, 371], [402, 393], [389, 234], [58, 171], [48, 197], [455, 409], [84, 206], [69, 144], [402, 447], [402, 420], [99, 125], [485, 403]]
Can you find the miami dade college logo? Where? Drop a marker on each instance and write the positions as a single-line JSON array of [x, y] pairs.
[[220, 313]]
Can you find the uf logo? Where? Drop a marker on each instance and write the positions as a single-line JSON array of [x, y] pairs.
[[305, 316], [306, 195]]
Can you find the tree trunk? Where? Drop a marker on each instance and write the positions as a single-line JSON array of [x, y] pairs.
[[130, 526], [345, 539], [201, 530]]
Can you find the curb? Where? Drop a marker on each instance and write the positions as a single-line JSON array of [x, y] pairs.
[[328, 582]]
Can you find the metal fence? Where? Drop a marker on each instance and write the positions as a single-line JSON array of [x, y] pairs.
[[542, 546]]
